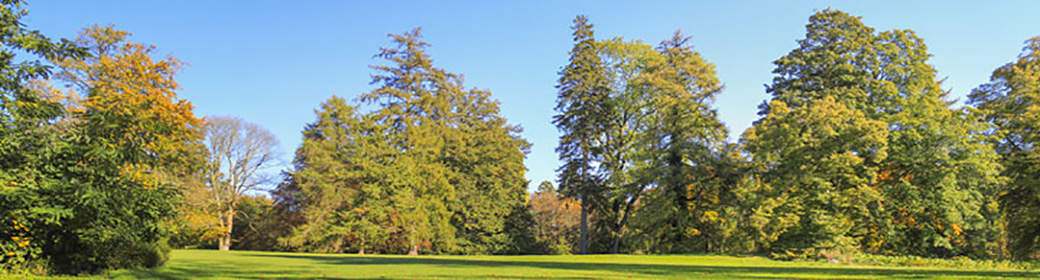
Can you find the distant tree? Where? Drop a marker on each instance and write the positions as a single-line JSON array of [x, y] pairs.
[[556, 219], [258, 228], [1010, 102], [239, 153], [582, 106]]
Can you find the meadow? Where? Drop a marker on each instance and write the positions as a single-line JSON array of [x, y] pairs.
[[212, 264]]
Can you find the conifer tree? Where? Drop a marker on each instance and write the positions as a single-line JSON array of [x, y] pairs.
[[582, 106]]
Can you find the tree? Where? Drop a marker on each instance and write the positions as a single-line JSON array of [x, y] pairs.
[[1010, 102], [938, 180], [556, 219], [432, 167], [625, 65], [458, 165], [684, 142], [137, 140], [239, 152], [339, 181], [26, 140], [817, 164], [582, 107], [99, 193], [412, 111]]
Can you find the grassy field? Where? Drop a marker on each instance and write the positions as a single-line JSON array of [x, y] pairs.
[[205, 264]]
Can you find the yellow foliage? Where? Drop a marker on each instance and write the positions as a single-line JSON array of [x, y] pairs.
[[710, 216]]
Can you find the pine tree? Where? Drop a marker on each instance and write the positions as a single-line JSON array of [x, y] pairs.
[[582, 107]]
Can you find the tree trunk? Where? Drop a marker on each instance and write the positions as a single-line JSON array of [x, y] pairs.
[[584, 243], [621, 224], [361, 249], [414, 251], [225, 239]]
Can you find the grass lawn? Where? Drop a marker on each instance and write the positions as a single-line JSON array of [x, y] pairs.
[[207, 264]]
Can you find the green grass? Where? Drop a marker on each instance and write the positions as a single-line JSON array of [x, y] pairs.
[[206, 264]]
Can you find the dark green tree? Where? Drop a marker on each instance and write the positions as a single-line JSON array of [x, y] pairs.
[[432, 167], [582, 105]]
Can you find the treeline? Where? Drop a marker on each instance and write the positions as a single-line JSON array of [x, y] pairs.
[[859, 151]]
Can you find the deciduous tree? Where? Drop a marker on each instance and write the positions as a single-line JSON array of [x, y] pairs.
[[1011, 103], [239, 153]]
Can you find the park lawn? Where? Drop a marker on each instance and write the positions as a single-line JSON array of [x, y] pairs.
[[209, 264]]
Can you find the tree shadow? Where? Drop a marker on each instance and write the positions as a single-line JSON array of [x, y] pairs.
[[668, 270], [195, 269]]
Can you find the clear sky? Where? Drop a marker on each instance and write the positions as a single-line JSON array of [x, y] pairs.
[[273, 62]]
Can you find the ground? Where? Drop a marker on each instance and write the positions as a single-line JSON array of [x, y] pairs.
[[208, 264]]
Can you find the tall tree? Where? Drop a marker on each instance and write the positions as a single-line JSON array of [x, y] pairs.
[[685, 141], [938, 180], [1011, 103], [110, 175], [432, 167], [339, 173], [26, 140], [411, 110], [625, 67], [141, 140], [239, 153], [582, 106]]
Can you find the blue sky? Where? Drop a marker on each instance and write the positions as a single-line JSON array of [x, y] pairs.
[[273, 62]]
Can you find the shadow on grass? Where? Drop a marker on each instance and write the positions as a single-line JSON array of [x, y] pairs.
[[196, 270], [667, 270]]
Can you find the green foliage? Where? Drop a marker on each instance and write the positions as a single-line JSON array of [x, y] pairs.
[[931, 194], [1010, 102], [654, 139], [433, 167], [816, 165], [582, 104], [682, 154], [257, 225], [89, 187]]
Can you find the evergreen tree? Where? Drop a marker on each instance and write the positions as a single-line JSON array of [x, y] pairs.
[[582, 105], [433, 167]]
